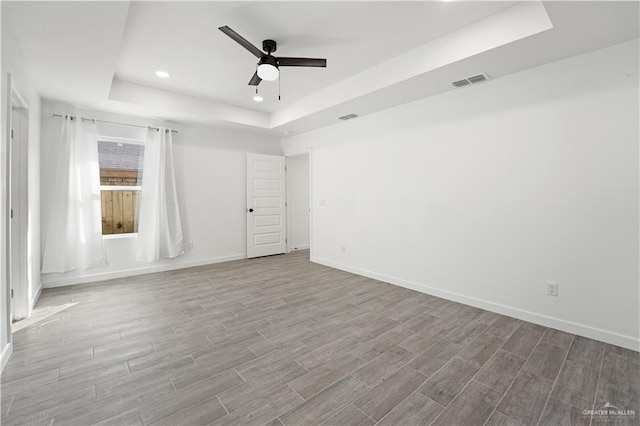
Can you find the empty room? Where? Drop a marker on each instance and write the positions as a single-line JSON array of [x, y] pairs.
[[320, 213]]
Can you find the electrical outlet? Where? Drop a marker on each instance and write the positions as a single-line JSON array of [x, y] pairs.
[[343, 248], [189, 245], [552, 288], [323, 203]]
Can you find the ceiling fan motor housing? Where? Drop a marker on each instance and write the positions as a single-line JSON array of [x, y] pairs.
[[269, 46], [268, 60]]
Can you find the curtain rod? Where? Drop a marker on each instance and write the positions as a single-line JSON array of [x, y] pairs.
[[113, 122]]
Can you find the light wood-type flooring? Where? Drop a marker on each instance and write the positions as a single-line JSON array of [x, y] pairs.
[[282, 341]]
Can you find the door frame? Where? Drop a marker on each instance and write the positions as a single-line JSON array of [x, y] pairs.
[[17, 245], [308, 152]]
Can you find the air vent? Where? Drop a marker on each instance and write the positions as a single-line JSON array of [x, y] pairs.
[[469, 80], [461, 83], [347, 117], [477, 78]]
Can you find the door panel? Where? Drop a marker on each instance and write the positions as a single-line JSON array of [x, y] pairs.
[[266, 229]]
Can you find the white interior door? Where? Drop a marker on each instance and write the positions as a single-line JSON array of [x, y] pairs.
[[266, 209]]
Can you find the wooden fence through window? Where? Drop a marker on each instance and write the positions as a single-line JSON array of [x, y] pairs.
[[119, 212]]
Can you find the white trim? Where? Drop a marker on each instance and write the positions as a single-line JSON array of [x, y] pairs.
[[20, 302], [102, 276], [311, 209], [7, 309], [297, 152], [611, 337], [287, 191], [121, 140], [118, 236], [6, 354], [120, 188]]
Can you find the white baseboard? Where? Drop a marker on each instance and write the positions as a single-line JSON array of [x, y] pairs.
[[6, 353], [302, 247], [122, 273], [613, 338]]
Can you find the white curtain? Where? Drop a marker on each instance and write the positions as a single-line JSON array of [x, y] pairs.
[[73, 225], [159, 229]]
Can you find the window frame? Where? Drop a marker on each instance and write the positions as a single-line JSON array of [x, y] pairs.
[[114, 139]]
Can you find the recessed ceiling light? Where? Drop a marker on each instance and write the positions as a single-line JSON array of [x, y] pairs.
[[258, 98], [162, 74]]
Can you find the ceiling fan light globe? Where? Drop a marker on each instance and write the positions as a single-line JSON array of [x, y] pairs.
[[268, 72]]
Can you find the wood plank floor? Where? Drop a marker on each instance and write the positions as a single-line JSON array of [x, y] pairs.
[[282, 341]]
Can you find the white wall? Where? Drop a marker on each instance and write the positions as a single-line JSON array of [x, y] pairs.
[[210, 175], [484, 193], [298, 202], [15, 64]]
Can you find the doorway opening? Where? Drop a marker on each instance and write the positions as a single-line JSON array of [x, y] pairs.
[[298, 202]]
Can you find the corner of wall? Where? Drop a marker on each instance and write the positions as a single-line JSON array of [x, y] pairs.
[[34, 298], [6, 354]]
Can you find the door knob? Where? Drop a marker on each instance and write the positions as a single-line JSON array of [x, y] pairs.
[[250, 210]]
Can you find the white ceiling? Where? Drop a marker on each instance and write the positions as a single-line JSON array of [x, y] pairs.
[[104, 55], [183, 38]]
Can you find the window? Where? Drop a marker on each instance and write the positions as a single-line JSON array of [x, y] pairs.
[[121, 164]]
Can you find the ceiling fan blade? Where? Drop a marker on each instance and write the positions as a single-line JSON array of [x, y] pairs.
[[302, 62], [242, 41], [255, 80]]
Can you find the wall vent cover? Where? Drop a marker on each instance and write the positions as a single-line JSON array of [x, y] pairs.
[[347, 117], [470, 80], [477, 78], [461, 83]]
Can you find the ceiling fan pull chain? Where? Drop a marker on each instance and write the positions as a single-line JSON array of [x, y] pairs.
[[278, 87]]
